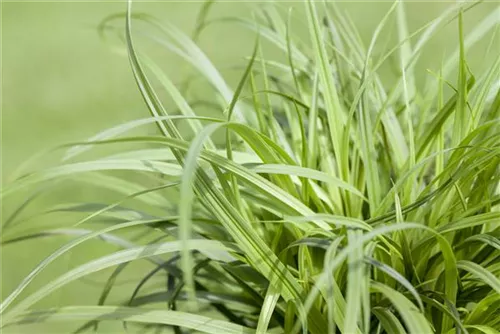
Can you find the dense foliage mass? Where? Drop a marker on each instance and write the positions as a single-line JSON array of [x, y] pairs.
[[331, 202]]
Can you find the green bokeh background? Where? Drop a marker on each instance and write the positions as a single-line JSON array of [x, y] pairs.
[[61, 83]]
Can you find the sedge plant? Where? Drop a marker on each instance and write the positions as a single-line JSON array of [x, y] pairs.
[[320, 199]]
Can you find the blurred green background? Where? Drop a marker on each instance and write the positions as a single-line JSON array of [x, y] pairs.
[[61, 83]]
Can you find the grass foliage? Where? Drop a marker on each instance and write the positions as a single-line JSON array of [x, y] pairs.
[[321, 200]]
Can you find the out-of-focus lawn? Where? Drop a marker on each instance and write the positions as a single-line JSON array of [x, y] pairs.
[[61, 83]]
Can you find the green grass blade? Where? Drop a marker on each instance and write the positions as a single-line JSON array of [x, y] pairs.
[[478, 271], [413, 318], [195, 322], [211, 247], [270, 301], [388, 321]]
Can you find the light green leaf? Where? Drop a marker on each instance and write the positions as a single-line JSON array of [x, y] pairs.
[[195, 322]]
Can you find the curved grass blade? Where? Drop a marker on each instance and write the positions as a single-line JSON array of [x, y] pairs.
[[64, 249], [307, 173], [388, 321], [413, 318], [93, 166], [484, 275], [131, 314], [215, 248]]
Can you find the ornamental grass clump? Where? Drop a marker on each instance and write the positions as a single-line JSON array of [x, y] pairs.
[[319, 198]]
